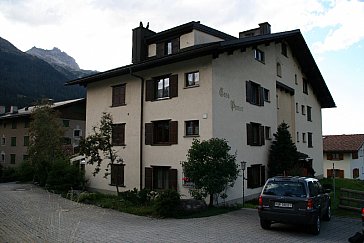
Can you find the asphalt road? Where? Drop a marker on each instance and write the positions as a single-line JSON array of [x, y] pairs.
[[31, 214]]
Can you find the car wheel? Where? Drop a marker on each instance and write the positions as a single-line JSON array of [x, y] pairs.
[[316, 227], [327, 215], [265, 224]]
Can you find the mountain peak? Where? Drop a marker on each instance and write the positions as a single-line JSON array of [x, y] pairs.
[[55, 57]]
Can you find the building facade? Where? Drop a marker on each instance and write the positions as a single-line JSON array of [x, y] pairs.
[[195, 82], [14, 130], [344, 154]]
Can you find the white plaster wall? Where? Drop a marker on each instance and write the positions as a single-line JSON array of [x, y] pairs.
[[202, 37], [99, 100], [187, 40], [339, 165], [152, 50]]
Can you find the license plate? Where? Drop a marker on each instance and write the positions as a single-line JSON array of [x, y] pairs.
[[283, 205]]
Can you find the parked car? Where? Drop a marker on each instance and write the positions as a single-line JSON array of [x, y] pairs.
[[294, 200], [359, 237]]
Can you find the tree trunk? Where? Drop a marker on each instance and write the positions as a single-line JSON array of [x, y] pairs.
[[211, 203]]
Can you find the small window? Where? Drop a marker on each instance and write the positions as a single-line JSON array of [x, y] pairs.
[[303, 110], [66, 123], [117, 175], [192, 79], [118, 134], [26, 140], [67, 141], [309, 139], [279, 70], [118, 95], [284, 49], [305, 86], [297, 109], [266, 95], [162, 88], [268, 134], [303, 137], [160, 177], [77, 133], [13, 124], [298, 137], [2, 157], [259, 55], [309, 113], [192, 128], [355, 173], [254, 93], [13, 141], [3, 141], [295, 79], [12, 158]]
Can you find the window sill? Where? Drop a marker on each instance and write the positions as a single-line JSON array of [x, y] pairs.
[[161, 144], [191, 86], [118, 185], [191, 136], [112, 106]]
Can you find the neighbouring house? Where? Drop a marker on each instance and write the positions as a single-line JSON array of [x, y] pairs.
[[195, 82], [14, 129], [344, 154]]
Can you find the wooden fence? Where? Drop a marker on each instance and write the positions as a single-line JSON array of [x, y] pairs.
[[351, 199]]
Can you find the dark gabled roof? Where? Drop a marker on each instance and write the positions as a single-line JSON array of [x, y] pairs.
[[294, 39], [188, 27], [26, 111], [343, 143]]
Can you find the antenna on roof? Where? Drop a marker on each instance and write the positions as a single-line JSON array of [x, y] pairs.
[[147, 27], [140, 24]]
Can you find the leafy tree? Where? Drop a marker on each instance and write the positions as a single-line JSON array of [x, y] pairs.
[[98, 146], [45, 141], [283, 155], [210, 166]]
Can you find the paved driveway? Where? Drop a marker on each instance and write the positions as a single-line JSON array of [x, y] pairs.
[[30, 214]]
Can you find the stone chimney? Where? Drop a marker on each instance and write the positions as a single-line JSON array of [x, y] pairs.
[[264, 29], [140, 48], [13, 109]]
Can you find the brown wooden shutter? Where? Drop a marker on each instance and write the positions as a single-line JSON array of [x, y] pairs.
[[262, 175], [172, 179], [355, 155], [341, 173], [173, 132], [173, 85], [148, 178], [149, 92], [122, 94], [113, 175], [329, 156], [341, 156], [249, 134], [148, 133], [329, 173], [160, 49], [261, 135], [261, 96], [122, 134], [175, 45], [250, 177], [248, 91]]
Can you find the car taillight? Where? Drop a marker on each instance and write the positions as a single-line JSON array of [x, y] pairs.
[[362, 214], [309, 204], [260, 201]]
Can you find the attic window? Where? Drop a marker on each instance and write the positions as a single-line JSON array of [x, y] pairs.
[[168, 48], [259, 55]]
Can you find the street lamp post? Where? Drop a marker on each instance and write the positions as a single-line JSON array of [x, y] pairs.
[[243, 166]]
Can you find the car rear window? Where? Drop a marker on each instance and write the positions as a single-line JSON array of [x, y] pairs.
[[285, 188]]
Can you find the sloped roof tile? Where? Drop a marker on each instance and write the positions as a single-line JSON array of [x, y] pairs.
[[343, 143]]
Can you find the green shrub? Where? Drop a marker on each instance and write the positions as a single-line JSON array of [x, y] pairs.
[[7, 174], [25, 171], [167, 202], [63, 176], [135, 197]]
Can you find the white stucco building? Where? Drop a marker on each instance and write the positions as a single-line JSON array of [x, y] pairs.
[[193, 81]]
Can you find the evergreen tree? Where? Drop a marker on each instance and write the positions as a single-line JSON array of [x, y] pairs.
[[283, 155]]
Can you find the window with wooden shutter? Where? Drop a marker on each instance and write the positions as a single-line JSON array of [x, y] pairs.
[[355, 155], [117, 175], [329, 156], [248, 91], [164, 132], [148, 182], [118, 95], [118, 134], [355, 173], [160, 49], [255, 134], [255, 176], [254, 93], [249, 133], [261, 135], [175, 45], [173, 132]]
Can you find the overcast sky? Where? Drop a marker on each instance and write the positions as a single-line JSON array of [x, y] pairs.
[[97, 33]]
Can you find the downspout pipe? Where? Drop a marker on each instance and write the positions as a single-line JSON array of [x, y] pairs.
[[141, 127]]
